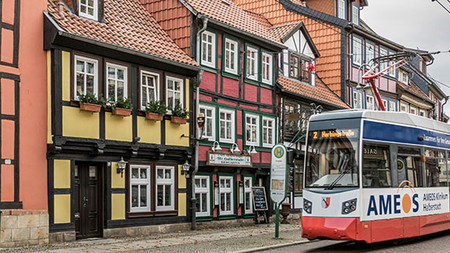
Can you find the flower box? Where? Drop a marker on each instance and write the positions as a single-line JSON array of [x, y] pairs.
[[178, 120], [90, 107], [153, 116], [121, 112]]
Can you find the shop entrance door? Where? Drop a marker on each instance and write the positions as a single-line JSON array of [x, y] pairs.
[[88, 200]]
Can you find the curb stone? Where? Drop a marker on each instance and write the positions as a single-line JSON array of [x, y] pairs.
[[273, 246]]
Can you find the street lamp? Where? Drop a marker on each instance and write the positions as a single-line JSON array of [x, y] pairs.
[[121, 165]]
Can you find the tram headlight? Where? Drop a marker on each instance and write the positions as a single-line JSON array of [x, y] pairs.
[[307, 206], [348, 206]]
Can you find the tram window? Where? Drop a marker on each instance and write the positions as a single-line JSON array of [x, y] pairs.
[[434, 167], [409, 159], [376, 172]]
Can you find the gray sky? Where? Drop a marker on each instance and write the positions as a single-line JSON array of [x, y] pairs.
[[419, 24]]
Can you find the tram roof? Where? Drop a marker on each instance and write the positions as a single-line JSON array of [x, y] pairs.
[[401, 118]]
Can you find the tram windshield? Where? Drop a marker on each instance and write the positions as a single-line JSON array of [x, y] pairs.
[[332, 158]]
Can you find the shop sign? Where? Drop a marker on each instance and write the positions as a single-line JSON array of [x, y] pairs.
[[227, 159]]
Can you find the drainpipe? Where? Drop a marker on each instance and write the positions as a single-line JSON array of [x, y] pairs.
[[197, 111], [442, 107]]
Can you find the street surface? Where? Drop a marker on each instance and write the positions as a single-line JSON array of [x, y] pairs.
[[435, 243]]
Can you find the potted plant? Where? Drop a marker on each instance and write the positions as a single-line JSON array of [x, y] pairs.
[[90, 102], [121, 107], [179, 115], [155, 110]]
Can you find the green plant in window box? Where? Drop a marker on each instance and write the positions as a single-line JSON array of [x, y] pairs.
[[121, 107], [179, 114], [90, 102], [155, 110]]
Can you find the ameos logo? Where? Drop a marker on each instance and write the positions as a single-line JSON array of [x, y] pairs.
[[395, 203]]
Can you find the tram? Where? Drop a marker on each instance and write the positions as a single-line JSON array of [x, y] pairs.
[[374, 176]]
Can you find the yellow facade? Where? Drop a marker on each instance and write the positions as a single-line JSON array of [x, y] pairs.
[[182, 204], [117, 181], [149, 130], [65, 76], [61, 174], [187, 95], [174, 132], [49, 97], [118, 128], [118, 206], [62, 208], [181, 178], [78, 123]]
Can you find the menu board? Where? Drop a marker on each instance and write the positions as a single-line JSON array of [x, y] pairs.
[[259, 198]]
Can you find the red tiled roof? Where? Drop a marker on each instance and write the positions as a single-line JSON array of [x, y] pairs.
[[259, 18], [319, 92], [126, 24], [282, 30], [232, 15], [415, 90]]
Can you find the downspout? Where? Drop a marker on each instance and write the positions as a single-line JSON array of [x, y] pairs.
[[442, 107], [197, 111]]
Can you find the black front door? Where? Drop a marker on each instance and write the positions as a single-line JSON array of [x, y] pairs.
[[88, 200]]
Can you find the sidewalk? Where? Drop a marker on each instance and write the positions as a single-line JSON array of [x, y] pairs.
[[240, 239]]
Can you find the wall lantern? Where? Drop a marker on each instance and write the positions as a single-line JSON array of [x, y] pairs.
[[252, 150], [241, 192], [235, 149], [185, 170], [216, 148], [121, 165]]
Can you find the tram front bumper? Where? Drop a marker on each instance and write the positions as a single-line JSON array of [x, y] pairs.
[[336, 228]]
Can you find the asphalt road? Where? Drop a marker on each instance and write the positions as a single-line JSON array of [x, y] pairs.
[[435, 243]]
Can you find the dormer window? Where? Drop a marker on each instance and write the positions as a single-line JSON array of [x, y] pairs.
[[299, 68], [340, 9], [88, 9], [355, 14]]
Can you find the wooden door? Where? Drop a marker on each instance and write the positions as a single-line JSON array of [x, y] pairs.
[[88, 200]]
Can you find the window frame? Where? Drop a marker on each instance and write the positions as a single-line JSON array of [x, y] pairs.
[[213, 61], [164, 182], [383, 65], [354, 6], [256, 64], [343, 2], [157, 86], [149, 191], [405, 106], [257, 126], [370, 97], [270, 68], [422, 113], [357, 99], [86, 15], [249, 191], [392, 106], [125, 80], [228, 190], [96, 75], [357, 42], [235, 58], [366, 51], [274, 129], [233, 125], [393, 71], [172, 78], [299, 66], [213, 125], [206, 191], [413, 108]]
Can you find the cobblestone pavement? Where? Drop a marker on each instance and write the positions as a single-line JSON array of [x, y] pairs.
[[243, 239]]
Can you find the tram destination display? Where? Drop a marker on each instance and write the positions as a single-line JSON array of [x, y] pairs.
[[259, 198]]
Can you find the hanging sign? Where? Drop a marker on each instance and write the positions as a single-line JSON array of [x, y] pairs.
[[278, 175]]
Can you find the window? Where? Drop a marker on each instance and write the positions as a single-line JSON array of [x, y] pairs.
[[231, 56], [268, 130], [209, 129], [403, 77], [340, 9], [298, 177], [306, 75], [266, 68], [88, 8], [299, 68], [357, 51], [355, 14], [251, 129], [403, 107], [226, 195], [357, 100], [422, 113], [117, 81], [226, 125], [384, 104], [149, 88], [174, 92], [413, 110], [392, 106], [370, 105], [248, 202], [252, 63], [208, 49], [294, 66], [434, 166], [165, 189], [202, 195], [393, 71], [86, 76], [376, 172], [139, 188], [383, 52], [370, 52], [409, 164]]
